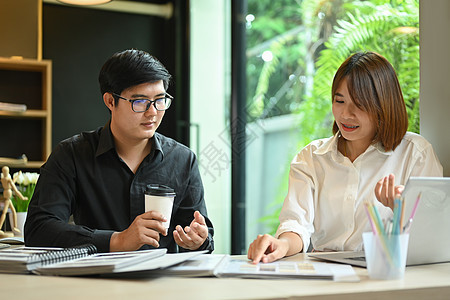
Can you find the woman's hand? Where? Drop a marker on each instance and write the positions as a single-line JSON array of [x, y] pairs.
[[266, 248], [386, 191]]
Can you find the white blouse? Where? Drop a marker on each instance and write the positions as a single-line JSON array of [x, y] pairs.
[[326, 190]]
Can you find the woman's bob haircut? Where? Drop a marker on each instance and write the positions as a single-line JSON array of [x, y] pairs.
[[373, 86]]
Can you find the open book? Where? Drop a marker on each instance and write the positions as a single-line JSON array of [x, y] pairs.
[[85, 260]]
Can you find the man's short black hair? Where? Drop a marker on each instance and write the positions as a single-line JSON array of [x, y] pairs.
[[130, 68]]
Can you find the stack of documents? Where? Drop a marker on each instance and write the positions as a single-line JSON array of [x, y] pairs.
[[156, 262]]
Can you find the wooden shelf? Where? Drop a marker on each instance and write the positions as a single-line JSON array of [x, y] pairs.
[[27, 165], [31, 113], [24, 64], [26, 81]]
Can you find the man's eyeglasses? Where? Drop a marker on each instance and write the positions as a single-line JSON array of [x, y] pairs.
[[141, 105]]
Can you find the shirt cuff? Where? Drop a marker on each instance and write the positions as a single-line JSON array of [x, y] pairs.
[[101, 239], [294, 226], [207, 245]]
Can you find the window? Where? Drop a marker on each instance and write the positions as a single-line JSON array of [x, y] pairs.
[[293, 49]]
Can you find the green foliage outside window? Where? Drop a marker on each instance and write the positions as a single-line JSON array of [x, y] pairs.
[[307, 42]]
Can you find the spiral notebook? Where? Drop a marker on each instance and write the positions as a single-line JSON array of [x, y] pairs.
[[83, 260]]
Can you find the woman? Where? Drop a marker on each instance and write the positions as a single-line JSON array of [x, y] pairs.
[[369, 158]]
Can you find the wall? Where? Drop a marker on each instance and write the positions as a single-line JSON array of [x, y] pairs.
[[435, 77], [79, 40], [20, 28]]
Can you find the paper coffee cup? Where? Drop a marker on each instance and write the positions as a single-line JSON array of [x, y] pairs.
[[160, 198]]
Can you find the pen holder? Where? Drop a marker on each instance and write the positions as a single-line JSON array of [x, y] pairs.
[[385, 255]]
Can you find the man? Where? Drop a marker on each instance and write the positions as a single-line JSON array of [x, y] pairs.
[[100, 177]]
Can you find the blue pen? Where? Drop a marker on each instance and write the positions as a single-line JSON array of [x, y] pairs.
[[397, 209], [378, 219]]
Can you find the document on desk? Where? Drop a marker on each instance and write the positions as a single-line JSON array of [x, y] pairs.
[[84, 260], [15, 240], [25, 259], [77, 262], [159, 265], [101, 263], [222, 265], [287, 270], [205, 265], [94, 264]]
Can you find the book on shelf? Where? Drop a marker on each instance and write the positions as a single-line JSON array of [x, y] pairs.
[[13, 107]]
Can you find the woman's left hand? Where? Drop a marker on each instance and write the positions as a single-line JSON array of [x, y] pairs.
[[386, 191]]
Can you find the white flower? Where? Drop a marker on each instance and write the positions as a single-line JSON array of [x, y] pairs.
[[18, 177], [26, 178]]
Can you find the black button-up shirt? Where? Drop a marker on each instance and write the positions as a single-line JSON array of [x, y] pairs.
[[85, 177]]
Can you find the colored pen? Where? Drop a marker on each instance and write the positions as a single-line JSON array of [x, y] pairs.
[[413, 213], [372, 225], [407, 226], [396, 223], [402, 214], [378, 220]]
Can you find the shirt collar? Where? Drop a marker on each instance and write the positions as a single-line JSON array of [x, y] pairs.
[[378, 146], [106, 142], [331, 146], [156, 145]]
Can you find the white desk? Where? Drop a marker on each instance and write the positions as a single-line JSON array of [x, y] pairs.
[[420, 282]]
